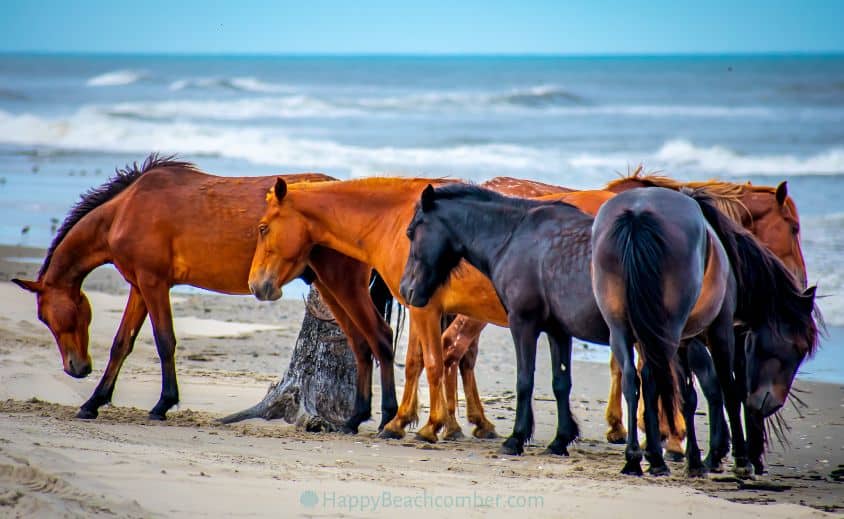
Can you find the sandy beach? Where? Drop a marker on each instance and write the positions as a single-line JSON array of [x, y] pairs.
[[231, 348]]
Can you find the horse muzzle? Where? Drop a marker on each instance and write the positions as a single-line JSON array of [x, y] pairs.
[[265, 291], [76, 368], [764, 402]]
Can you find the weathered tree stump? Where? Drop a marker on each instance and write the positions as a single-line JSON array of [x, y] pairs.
[[317, 392]]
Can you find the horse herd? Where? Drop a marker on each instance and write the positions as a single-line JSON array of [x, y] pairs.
[[702, 278]]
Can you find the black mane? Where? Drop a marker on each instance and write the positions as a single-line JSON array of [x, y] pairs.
[[482, 194], [97, 196], [767, 290]]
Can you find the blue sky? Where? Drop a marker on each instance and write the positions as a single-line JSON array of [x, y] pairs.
[[432, 26]]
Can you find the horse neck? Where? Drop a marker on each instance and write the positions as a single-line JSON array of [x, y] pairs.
[[368, 226], [83, 249], [481, 229]]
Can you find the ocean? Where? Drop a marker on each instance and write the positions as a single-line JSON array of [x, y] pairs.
[[66, 121]]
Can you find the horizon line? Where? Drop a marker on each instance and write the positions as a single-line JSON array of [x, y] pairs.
[[710, 54]]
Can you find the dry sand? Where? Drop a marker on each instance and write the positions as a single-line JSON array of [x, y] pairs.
[[231, 348]]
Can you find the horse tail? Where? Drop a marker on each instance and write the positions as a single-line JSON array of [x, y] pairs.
[[383, 300], [640, 243]]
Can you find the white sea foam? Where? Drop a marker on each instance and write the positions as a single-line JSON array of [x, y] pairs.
[[680, 155], [115, 78]]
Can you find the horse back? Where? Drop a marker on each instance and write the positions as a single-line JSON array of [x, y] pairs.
[[190, 227]]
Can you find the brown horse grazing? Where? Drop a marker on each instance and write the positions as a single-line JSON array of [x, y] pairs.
[[166, 224], [366, 219]]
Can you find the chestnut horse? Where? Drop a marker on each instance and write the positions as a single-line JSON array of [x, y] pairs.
[[164, 224], [366, 220]]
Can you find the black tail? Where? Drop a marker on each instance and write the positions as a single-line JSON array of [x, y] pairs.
[[639, 241], [383, 299]]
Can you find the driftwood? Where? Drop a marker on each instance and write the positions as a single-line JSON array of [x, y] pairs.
[[317, 392]]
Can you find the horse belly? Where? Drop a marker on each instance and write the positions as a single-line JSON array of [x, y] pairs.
[[713, 290]]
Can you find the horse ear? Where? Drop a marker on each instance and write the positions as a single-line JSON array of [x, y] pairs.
[[428, 198], [31, 286], [782, 192], [280, 189]]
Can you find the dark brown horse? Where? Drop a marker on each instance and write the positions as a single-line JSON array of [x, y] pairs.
[[666, 268], [167, 223]]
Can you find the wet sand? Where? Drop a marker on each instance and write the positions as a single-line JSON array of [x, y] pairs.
[[231, 348]]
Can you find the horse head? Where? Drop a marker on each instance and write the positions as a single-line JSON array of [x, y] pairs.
[[433, 252], [67, 313], [283, 246], [774, 351]]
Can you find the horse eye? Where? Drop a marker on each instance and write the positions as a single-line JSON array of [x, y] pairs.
[[795, 228], [262, 229]]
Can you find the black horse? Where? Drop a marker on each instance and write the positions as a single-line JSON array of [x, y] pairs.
[[667, 266], [537, 255]]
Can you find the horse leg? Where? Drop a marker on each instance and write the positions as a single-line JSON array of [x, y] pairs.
[[484, 429], [653, 452], [755, 424], [622, 349], [346, 281], [460, 342], [615, 430], [700, 362], [567, 429], [133, 318], [430, 335], [452, 429], [722, 344], [694, 466], [525, 332], [362, 410], [408, 409], [156, 295]]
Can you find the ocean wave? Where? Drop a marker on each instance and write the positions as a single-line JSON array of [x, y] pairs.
[[293, 106], [91, 129], [678, 156], [116, 78], [235, 110], [243, 84]]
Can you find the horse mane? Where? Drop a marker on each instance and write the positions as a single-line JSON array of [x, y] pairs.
[[767, 291], [97, 196], [725, 195], [477, 193]]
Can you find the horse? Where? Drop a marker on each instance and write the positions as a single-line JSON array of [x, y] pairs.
[[167, 223], [366, 219], [548, 290], [667, 266]]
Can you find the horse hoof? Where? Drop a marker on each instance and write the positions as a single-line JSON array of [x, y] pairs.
[[421, 436], [695, 472], [556, 451], [454, 435], [348, 429], [512, 447], [87, 414], [485, 433], [389, 434], [716, 467], [674, 456], [659, 470], [617, 437], [743, 471], [632, 469], [157, 417]]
